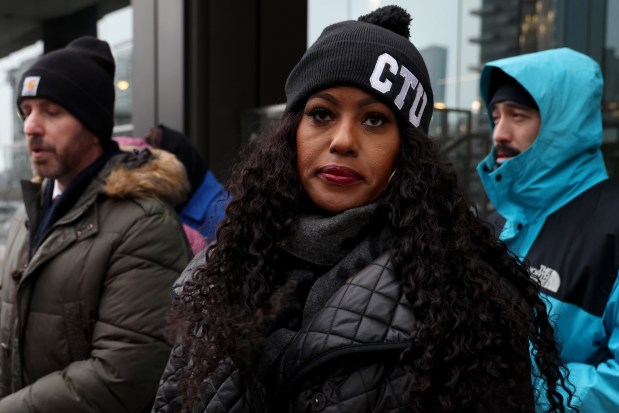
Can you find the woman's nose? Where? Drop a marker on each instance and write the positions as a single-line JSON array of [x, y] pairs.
[[344, 140]]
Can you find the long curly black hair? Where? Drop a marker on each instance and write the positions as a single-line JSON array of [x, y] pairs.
[[469, 334]]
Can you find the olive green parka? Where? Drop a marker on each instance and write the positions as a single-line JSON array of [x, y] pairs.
[[82, 320]]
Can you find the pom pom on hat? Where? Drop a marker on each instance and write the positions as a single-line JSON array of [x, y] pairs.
[[373, 54], [394, 18]]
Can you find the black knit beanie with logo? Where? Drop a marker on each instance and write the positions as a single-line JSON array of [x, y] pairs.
[[80, 78], [373, 53]]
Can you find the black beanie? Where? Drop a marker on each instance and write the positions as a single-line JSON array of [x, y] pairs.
[[80, 78], [185, 151], [505, 88], [373, 54]]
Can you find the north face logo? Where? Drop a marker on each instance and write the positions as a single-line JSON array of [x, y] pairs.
[[547, 278]]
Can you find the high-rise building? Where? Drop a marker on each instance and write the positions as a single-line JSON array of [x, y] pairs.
[[436, 62], [512, 27], [500, 29]]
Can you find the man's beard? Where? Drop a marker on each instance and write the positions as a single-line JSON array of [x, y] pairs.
[[502, 150], [49, 167]]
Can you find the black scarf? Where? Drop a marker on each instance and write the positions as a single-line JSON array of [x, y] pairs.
[[327, 251], [341, 244]]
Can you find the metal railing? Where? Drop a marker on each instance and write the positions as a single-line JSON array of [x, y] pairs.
[[463, 149], [464, 153]]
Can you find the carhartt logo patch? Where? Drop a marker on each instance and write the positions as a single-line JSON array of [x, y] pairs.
[[31, 84], [547, 277]]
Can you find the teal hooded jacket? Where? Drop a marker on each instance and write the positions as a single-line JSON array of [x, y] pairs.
[[553, 197]]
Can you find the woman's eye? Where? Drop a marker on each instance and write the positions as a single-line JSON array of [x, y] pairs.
[[320, 115], [375, 120]]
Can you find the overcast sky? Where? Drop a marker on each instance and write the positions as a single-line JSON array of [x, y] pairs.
[[446, 23]]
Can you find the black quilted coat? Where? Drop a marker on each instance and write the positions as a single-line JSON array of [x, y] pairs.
[[345, 359]]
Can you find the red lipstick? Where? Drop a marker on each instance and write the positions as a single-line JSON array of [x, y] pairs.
[[339, 175]]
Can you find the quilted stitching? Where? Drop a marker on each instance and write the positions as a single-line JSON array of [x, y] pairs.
[[228, 395], [168, 398], [370, 308]]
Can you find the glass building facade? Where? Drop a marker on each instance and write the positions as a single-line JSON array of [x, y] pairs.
[[512, 27], [456, 37]]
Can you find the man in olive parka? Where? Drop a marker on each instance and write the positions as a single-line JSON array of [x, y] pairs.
[[92, 255]]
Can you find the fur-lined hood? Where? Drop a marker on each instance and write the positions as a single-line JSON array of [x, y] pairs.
[[141, 173], [147, 173]]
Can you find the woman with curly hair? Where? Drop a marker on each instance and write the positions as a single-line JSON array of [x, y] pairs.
[[350, 274]]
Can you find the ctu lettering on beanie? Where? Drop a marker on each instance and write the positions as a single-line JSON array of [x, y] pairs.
[[387, 64], [374, 54]]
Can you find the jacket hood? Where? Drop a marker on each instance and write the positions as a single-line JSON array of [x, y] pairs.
[[565, 159], [147, 173], [185, 151]]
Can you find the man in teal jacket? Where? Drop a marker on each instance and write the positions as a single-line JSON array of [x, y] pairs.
[[556, 207]]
